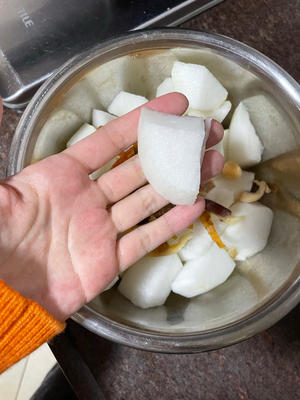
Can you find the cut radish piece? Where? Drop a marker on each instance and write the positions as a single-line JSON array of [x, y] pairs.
[[101, 118], [244, 146], [55, 133], [218, 147], [125, 102], [204, 273], [84, 131], [250, 235], [165, 87], [203, 91], [171, 150], [219, 114], [122, 73], [81, 99], [198, 245], [221, 147], [225, 144], [235, 186], [221, 196], [147, 283], [271, 125]]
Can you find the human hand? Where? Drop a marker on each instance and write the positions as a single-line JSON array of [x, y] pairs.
[[59, 241]]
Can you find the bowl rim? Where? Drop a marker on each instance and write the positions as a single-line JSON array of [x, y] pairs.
[[267, 314]]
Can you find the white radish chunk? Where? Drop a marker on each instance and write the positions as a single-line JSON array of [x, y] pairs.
[[165, 87], [271, 125], [250, 235], [235, 186], [202, 89], [221, 195], [101, 118], [122, 73], [81, 98], [219, 114], [225, 144], [191, 112], [197, 245], [218, 147], [55, 133], [171, 149], [221, 147], [204, 273], [244, 146], [147, 283], [84, 131], [125, 102]]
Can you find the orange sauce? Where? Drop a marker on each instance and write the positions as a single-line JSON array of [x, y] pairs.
[[209, 226], [167, 249]]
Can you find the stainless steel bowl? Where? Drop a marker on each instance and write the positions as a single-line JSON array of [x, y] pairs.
[[263, 289]]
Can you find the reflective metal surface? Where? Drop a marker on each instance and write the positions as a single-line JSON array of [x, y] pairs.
[[263, 288], [37, 37]]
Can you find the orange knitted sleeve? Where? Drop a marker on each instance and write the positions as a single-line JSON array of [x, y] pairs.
[[24, 326]]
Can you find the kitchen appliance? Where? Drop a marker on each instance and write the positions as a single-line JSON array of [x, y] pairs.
[[37, 37]]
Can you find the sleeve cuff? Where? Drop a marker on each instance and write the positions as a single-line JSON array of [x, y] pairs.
[[24, 326]]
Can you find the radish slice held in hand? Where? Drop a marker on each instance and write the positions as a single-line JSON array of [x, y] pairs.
[[171, 150]]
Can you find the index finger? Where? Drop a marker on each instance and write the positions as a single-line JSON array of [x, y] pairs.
[[100, 147], [135, 244]]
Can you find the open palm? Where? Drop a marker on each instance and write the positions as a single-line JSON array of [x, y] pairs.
[[60, 236]]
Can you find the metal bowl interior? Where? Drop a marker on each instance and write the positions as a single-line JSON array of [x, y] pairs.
[[263, 288]]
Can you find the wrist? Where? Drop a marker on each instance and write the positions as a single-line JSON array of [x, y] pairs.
[[18, 262]]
